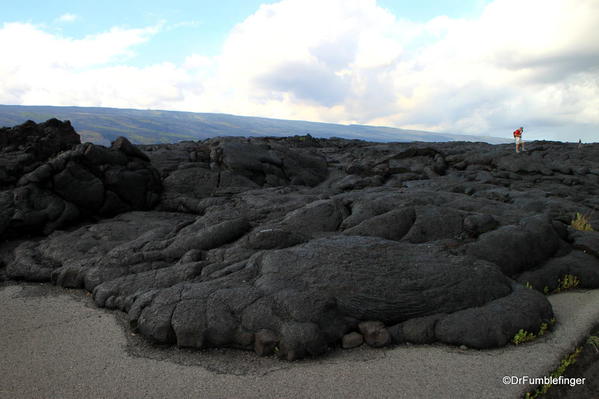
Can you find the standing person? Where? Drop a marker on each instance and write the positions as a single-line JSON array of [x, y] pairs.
[[518, 137]]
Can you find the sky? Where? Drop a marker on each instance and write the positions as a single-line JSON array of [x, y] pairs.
[[482, 67]]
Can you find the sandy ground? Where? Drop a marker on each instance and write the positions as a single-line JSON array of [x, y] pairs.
[[55, 344]]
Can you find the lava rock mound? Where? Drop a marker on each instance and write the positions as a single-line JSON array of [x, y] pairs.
[[298, 245], [63, 182]]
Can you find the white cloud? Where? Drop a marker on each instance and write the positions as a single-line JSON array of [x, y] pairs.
[[32, 49], [48, 69], [198, 61], [521, 62], [68, 17], [530, 62]]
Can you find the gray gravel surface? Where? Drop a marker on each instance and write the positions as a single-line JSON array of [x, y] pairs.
[[56, 344]]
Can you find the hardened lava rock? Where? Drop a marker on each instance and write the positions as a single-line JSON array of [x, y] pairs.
[[293, 246]]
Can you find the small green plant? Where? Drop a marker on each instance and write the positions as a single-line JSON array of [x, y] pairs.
[[581, 222], [594, 341], [553, 321], [523, 336], [564, 364], [546, 290], [528, 285], [567, 282]]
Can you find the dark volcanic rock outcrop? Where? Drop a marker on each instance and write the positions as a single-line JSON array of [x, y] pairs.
[[82, 181], [225, 166], [288, 245], [25, 147]]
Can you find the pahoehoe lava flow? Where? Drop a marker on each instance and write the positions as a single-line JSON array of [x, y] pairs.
[[289, 245]]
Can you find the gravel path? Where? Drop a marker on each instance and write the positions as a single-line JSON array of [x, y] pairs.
[[56, 344]]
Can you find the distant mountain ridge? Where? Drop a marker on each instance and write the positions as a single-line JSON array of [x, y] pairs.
[[102, 125]]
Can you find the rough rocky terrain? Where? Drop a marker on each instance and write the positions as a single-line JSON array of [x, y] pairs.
[[296, 245]]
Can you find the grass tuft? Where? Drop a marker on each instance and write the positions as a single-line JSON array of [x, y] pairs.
[[523, 336], [568, 282], [594, 341], [581, 222]]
